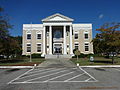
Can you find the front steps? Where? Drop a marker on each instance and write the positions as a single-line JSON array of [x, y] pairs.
[[48, 56]]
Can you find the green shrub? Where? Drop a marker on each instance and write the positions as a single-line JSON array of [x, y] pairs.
[[83, 55], [88, 55], [36, 55]]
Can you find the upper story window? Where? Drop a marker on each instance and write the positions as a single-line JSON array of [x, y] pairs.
[[57, 34], [76, 36], [28, 36], [38, 36], [67, 30], [86, 35], [67, 33]]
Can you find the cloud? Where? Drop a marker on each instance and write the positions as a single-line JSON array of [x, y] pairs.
[[101, 16]]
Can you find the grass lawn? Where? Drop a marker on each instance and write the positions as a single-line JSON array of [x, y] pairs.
[[21, 62], [97, 61]]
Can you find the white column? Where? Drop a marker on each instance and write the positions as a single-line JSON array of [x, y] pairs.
[[44, 45], [71, 48], [50, 40], [65, 40]]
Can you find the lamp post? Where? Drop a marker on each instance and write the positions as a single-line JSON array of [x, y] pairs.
[[31, 45]]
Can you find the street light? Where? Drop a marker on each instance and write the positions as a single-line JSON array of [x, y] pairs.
[[31, 44]]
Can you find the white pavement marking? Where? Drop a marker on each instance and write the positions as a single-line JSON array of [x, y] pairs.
[[19, 76], [45, 76], [88, 79], [53, 82], [88, 74], [17, 67], [40, 73], [59, 76], [40, 70], [109, 66], [74, 77]]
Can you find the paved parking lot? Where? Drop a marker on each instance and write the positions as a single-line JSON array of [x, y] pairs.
[[60, 74], [60, 79], [42, 75]]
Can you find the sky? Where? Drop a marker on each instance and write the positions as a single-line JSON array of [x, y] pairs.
[[96, 12]]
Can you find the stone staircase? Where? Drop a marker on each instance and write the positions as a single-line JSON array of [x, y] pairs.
[[57, 56]]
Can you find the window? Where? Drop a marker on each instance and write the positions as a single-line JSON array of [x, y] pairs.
[[47, 34], [67, 30], [28, 47], [86, 47], [67, 46], [76, 46], [38, 47], [76, 36], [38, 36], [67, 33], [28, 36], [86, 36]]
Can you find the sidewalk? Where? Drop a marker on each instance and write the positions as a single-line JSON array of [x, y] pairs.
[[57, 63]]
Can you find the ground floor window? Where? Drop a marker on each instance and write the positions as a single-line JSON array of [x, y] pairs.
[[86, 47], [76, 46], [28, 47], [38, 47]]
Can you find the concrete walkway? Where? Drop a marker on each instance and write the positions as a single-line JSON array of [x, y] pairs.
[[57, 63]]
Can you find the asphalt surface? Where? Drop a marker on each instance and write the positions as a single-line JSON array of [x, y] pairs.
[[60, 75], [60, 79]]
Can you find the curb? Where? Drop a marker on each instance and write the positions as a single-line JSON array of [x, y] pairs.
[[107, 66], [1, 67]]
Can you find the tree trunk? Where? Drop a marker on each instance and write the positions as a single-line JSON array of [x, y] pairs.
[[112, 58], [77, 57]]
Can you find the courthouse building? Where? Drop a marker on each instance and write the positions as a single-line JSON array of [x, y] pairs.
[[57, 35]]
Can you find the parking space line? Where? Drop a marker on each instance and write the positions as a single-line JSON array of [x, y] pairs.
[[88, 74], [20, 76], [45, 76], [74, 77], [40, 73], [88, 79], [59, 76], [41, 70], [51, 82]]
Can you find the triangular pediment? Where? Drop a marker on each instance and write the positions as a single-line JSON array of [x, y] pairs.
[[57, 17]]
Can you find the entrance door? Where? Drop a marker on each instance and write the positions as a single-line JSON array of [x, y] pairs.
[[57, 49]]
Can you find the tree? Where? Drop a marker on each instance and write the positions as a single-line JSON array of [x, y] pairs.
[[11, 48], [77, 52], [108, 39], [9, 45], [4, 33]]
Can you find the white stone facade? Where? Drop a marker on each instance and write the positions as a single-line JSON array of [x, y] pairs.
[[57, 35]]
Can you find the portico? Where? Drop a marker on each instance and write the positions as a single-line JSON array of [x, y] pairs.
[[57, 39]]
